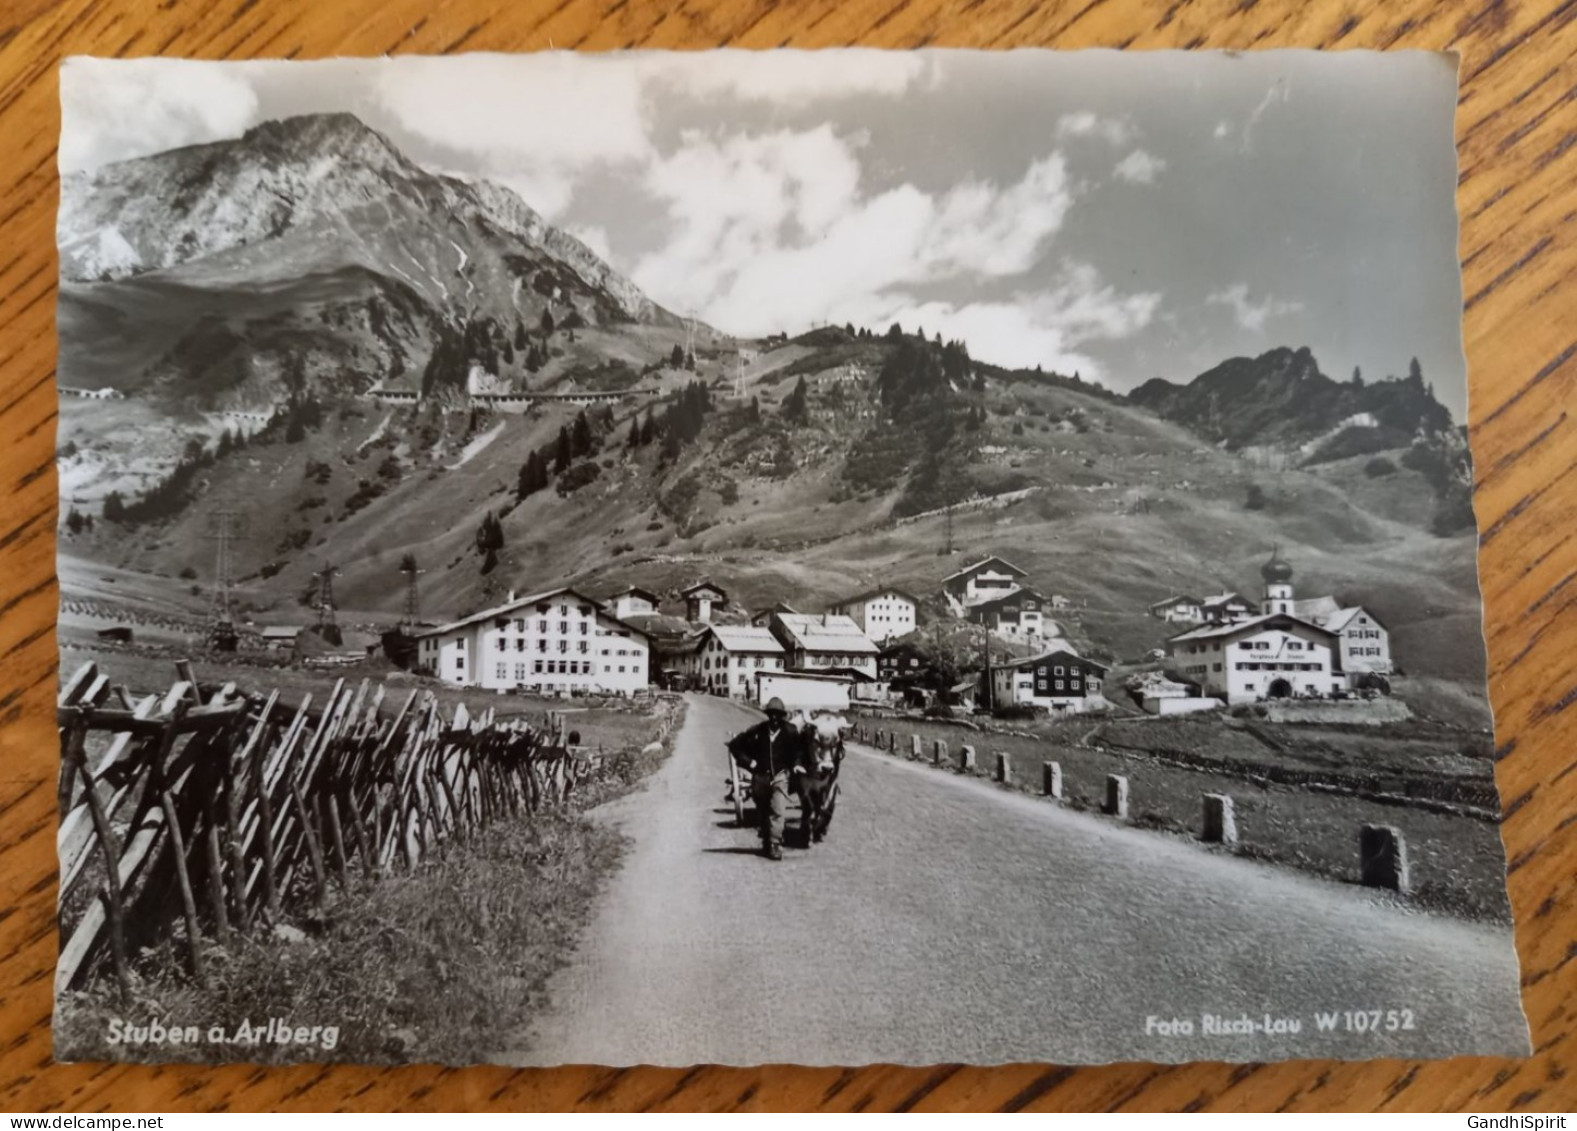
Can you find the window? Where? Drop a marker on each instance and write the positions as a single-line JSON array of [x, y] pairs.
[[1217, 667], [564, 626], [503, 671], [1057, 670], [536, 667], [563, 645], [542, 626], [584, 647], [459, 663], [520, 644]]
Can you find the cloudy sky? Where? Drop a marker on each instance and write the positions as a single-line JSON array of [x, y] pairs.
[[1124, 215]]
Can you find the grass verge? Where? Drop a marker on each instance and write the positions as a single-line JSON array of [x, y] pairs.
[[1458, 862], [434, 966]]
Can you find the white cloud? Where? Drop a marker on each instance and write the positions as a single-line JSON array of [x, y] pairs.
[[1139, 167], [555, 110], [789, 77], [547, 190], [1042, 328], [1252, 315], [1087, 123], [114, 109], [771, 230]]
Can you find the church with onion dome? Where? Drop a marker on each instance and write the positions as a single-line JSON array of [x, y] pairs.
[[1292, 649]]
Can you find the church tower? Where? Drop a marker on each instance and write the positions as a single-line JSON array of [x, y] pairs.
[[1278, 584]]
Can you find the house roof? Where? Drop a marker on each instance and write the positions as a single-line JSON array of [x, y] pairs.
[[878, 592], [992, 602], [826, 633], [636, 591], [659, 626], [1054, 653], [744, 638], [700, 585], [981, 564], [281, 632], [1316, 609], [1223, 598], [520, 603], [778, 607], [1245, 627], [1179, 599], [820, 677], [1342, 617]]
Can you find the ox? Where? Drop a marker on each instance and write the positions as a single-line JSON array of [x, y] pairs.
[[816, 779]]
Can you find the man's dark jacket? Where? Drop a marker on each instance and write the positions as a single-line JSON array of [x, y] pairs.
[[770, 757]]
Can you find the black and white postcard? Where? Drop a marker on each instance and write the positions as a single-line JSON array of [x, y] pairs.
[[727, 557]]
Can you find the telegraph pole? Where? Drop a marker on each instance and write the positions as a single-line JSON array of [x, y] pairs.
[[412, 597], [991, 695], [328, 625], [225, 526]]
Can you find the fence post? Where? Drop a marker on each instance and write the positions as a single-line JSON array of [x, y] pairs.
[[1004, 768], [1220, 822], [914, 747], [966, 759], [1382, 858], [1116, 796], [892, 742], [938, 753], [1051, 779]]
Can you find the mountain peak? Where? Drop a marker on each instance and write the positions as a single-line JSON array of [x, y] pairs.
[[1281, 396], [341, 134]]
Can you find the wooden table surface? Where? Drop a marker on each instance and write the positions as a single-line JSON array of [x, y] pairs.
[[1516, 124]]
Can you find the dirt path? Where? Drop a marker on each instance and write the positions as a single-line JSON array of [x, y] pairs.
[[948, 920]]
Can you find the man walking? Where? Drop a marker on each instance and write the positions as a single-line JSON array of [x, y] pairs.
[[770, 751]]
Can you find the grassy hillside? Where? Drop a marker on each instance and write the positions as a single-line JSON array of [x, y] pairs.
[[1107, 505]]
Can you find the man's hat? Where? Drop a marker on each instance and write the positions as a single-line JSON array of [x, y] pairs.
[[775, 704]]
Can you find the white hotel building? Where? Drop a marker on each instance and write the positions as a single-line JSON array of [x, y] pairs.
[[559, 640], [882, 614], [1291, 649], [729, 657]]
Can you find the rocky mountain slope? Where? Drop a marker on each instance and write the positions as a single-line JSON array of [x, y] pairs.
[[1282, 398], [310, 253], [305, 262]]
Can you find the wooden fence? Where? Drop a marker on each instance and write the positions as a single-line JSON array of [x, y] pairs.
[[213, 811]]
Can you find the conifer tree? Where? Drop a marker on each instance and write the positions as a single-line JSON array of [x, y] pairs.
[[564, 452], [794, 407], [580, 437]]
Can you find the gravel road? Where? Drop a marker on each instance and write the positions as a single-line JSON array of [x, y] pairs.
[[946, 919]]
